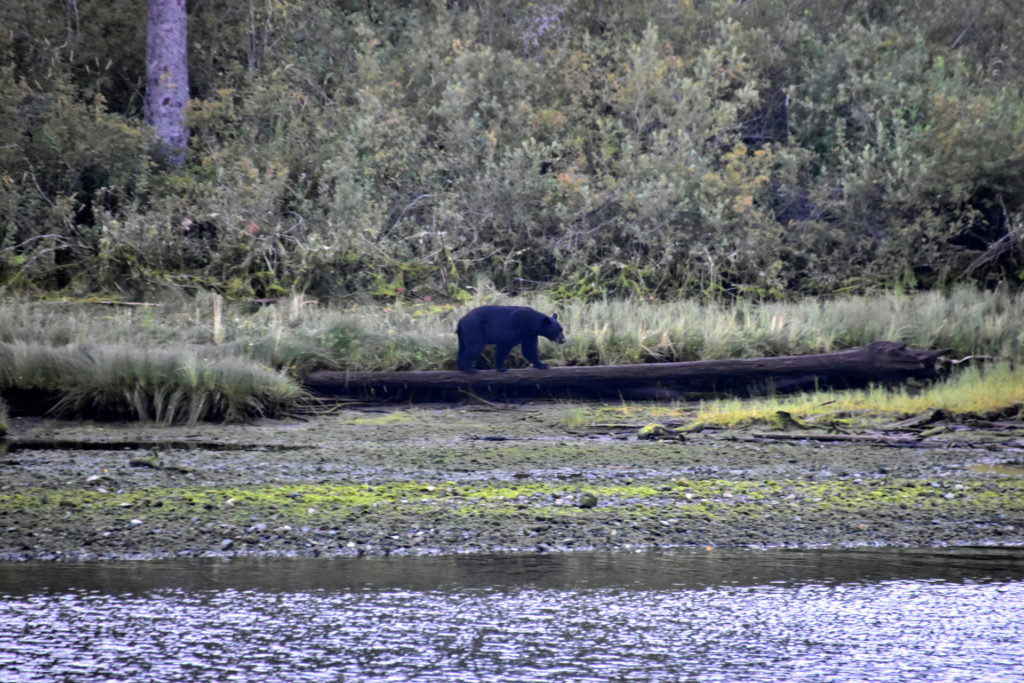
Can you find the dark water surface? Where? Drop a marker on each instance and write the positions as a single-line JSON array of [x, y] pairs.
[[925, 615]]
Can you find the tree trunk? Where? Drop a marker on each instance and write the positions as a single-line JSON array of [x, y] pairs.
[[167, 76], [877, 363]]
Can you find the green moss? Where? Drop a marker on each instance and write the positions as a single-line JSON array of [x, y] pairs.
[[357, 418], [651, 430], [711, 499]]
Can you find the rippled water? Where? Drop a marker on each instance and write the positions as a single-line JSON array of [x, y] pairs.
[[709, 616]]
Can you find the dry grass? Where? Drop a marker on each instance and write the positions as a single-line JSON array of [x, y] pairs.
[[972, 391]]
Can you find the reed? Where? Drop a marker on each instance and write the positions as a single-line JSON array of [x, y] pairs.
[[420, 335], [969, 322], [162, 385], [195, 358]]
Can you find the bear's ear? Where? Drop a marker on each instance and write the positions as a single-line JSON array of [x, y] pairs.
[[554, 316]]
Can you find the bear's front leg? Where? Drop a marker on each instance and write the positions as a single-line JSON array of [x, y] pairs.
[[532, 353], [468, 355]]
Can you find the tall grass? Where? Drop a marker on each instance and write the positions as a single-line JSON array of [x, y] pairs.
[[298, 336], [162, 385], [967, 321], [411, 335], [161, 362]]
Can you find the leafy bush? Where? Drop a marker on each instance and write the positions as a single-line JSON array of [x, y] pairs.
[[396, 149]]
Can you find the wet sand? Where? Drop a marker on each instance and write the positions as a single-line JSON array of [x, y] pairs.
[[442, 480]]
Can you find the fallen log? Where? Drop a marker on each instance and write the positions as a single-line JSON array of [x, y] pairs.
[[885, 363]]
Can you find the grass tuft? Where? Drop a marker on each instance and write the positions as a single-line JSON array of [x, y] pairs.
[[162, 385]]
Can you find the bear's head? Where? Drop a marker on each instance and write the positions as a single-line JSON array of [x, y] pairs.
[[552, 329]]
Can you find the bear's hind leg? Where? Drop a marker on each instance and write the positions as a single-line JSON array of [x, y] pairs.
[[501, 351]]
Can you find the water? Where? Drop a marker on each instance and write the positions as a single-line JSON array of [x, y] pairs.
[[930, 615]]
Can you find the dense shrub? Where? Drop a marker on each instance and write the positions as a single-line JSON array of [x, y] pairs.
[[651, 148]]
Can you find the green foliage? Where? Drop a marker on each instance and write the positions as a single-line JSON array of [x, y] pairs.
[[403, 150]]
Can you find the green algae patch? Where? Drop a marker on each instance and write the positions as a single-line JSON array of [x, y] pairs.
[[387, 418], [293, 501], [476, 480], [702, 497]]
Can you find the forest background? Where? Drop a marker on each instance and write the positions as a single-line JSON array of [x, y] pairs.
[[769, 149]]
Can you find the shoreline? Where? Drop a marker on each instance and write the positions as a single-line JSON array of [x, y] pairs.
[[434, 481]]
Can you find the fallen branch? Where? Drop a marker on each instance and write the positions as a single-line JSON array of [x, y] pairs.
[[124, 303], [861, 438], [14, 444]]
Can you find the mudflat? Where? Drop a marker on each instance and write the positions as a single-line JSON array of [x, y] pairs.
[[438, 480]]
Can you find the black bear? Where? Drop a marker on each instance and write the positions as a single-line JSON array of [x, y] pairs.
[[505, 327]]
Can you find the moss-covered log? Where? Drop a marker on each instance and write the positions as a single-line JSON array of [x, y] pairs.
[[878, 363]]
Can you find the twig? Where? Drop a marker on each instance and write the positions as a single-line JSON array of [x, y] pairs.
[[472, 395], [125, 303], [863, 438], [32, 239], [406, 210]]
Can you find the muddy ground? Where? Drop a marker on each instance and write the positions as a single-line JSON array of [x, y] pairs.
[[439, 480]]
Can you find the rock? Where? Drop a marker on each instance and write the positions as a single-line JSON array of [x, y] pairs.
[[227, 544], [659, 432], [587, 500]]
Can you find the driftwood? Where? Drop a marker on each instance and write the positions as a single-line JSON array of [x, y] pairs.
[[14, 444], [878, 363], [888, 441]]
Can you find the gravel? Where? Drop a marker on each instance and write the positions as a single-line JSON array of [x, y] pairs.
[[428, 481]]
